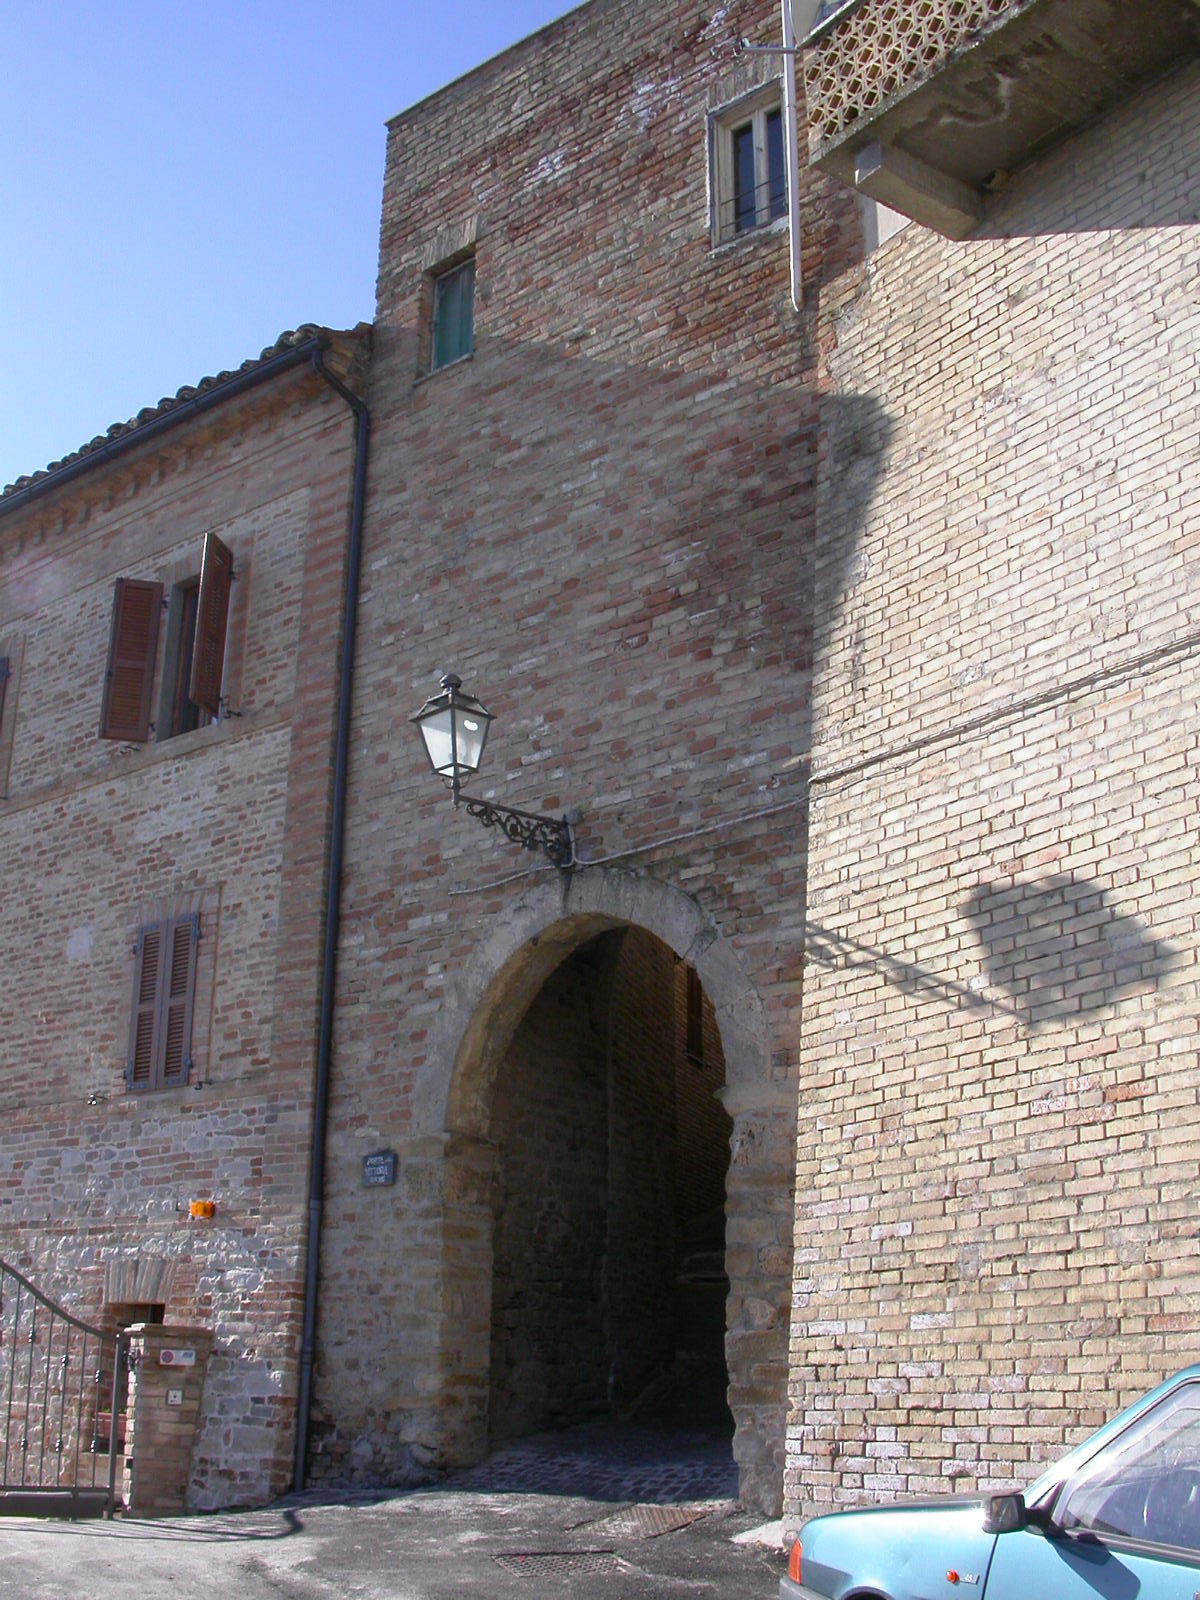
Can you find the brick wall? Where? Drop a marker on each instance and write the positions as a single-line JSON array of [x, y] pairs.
[[995, 1228], [601, 521], [230, 820], [549, 1359]]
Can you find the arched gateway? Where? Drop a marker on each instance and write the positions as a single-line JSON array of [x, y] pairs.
[[555, 1027]]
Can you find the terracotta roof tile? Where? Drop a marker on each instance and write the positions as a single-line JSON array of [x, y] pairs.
[[147, 414]]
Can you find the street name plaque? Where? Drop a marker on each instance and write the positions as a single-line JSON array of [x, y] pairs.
[[379, 1170]]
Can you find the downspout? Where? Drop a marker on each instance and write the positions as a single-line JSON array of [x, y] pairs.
[[333, 900], [788, 49], [790, 138]]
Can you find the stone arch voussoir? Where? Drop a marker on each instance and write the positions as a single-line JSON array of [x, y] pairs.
[[485, 1002], [487, 999]]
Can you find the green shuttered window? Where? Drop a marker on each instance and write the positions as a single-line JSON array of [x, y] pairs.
[[453, 315]]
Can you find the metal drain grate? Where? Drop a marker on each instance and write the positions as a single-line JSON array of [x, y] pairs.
[[647, 1522], [560, 1563]]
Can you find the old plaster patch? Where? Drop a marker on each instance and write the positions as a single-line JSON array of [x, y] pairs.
[[553, 164], [79, 945], [650, 97], [715, 23]]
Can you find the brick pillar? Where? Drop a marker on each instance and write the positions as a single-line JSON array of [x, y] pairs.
[[164, 1415]]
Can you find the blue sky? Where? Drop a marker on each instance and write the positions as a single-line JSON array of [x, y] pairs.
[[179, 183]]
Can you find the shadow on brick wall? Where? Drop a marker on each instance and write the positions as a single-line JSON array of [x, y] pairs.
[[839, 952], [626, 526], [1055, 949], [855, 432], [1058, 948]]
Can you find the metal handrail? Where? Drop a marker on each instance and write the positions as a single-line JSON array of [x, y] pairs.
[[828, 21]]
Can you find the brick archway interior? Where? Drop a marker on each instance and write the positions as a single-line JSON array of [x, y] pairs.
[[517, 981], [611, 1154]]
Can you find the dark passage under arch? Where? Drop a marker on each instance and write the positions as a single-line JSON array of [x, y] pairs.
[[612, 1148]]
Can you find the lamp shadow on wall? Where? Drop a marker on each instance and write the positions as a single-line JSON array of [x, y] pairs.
[[1054, 949], [838, 951], [1058, 947]]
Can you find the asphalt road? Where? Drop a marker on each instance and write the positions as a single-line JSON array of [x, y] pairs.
[[434, 1544], [606, 1510]]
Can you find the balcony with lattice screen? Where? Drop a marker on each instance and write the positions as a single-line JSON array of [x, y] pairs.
[[929, 104]]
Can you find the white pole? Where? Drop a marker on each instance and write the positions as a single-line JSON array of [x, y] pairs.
[[791, 146]]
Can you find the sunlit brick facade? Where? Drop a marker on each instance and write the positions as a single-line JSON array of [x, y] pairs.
[[855, 1054]]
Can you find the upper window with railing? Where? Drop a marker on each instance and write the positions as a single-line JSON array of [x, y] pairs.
[[749, 171]]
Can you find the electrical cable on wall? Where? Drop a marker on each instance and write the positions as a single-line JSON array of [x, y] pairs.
[[1148, 661]]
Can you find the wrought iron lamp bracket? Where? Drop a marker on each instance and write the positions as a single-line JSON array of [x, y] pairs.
[[551, 835]]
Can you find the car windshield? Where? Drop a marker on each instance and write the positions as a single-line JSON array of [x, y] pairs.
[[1145, 1483]]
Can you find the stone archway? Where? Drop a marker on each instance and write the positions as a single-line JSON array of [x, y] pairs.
[[453, 1107]]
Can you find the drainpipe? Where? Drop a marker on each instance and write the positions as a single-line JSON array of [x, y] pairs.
[[333, 900], [788, 49], [790, 144]]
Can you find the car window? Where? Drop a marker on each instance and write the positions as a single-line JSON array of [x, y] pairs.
[[1145, 1484]]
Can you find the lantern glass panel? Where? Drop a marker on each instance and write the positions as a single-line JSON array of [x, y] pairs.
[[435, 730], [471, 731]]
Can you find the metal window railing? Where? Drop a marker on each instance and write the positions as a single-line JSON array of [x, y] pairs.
[[742, 213]]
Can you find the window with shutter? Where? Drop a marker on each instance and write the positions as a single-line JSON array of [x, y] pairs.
[[212, 621], [140, 1071], [4, 676], [164, 990], [177, 713], [193, 664], [132, 648]]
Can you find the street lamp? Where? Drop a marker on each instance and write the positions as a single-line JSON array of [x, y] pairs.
[[454, 727]]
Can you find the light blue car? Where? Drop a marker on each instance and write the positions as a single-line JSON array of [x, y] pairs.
[[1117, 1519]]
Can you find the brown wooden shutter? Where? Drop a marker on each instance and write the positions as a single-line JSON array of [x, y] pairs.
[[132, 647], [178, 991], [139, 1073], [164, 987], [212, 618], [4, 675]]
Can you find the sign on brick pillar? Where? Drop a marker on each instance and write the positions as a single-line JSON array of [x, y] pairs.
[[166, 1388]]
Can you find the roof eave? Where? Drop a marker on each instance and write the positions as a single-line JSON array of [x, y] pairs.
[[181, 411]]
